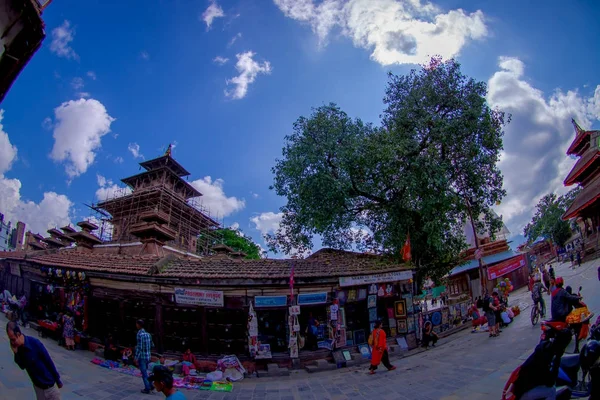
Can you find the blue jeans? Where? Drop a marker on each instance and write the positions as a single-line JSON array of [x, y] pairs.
[[143, 364]]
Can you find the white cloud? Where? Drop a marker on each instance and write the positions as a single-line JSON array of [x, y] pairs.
[[47, 124], [77, 83], [62, 37], [267, 222], [536, 140], [255, 195], [53, 210], [214, 199], [396, 32], [145, 55], [213, 11], [84, 95], [220, 60], [109, 190], [234, 39], [78, 130], [91, 75], [248, 70], [134, 149], [235, 226], [119, 160], [8, 152]]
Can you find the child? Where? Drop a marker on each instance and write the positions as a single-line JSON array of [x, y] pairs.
[[127, 356]]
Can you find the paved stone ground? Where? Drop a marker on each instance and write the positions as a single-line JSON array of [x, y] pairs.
[[464, 365]]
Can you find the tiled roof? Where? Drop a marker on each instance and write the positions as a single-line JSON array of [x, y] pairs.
[[274, 269], [209, 268], [589, 194], [581, 165]]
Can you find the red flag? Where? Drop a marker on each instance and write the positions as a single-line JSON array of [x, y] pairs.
[[406, 256]]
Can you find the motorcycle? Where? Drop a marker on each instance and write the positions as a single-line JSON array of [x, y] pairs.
[[567, 383], [578, 322]]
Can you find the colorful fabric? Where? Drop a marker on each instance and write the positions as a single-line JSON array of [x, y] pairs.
[[144, 345], [379, 346]]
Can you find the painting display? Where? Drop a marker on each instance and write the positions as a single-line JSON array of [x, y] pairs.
[[400, 308], [360, 337], [402, 326], [372, 301], [372, 314]]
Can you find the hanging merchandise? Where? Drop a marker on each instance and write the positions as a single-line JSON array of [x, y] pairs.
[[252, 332]]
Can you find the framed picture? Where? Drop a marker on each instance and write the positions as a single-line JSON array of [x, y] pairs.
[[390, 312], [349, 338], [400, 308], [343, 317], [359, 336], [364, 350], [410, 323], [372, 326], [352, 295], [393, 332], [362, 294], [372, 302], [409, 302], [347, 355], [372, 314], [402, 326]]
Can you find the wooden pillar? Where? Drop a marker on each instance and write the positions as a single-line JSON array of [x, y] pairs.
[[204, 331], [85, 313], [159, 327]]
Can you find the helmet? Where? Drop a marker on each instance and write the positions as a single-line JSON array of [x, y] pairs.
[[590, 355], [559, 281]]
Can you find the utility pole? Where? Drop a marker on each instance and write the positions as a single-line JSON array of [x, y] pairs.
[[477, 253]]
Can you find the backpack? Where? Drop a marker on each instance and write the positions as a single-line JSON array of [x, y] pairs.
[[479, 303], [370, 340], [486, 304]]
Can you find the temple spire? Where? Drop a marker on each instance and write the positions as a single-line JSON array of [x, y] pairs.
[[170, 148], [578, 129]]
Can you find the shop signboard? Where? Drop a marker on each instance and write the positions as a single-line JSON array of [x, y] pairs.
[[270, 301], [199, 297], [377, 278], [312, 298], [506, 267], [295, 310]]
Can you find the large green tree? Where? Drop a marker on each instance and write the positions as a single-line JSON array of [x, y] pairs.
[[430, 163], [547, 221], [237, 241]]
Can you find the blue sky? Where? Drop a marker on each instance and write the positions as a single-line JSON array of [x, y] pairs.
[[113, 81]]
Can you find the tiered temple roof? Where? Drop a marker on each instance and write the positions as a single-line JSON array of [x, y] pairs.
[[585, 172]]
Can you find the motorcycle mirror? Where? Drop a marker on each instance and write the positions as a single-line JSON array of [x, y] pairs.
[[580, 288]]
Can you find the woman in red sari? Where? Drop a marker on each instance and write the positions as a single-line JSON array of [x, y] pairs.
[[379, 353]]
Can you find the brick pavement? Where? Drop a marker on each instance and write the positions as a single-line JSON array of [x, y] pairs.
[[464, 365]]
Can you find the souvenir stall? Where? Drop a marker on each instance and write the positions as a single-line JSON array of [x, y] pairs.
[[273, 331], [66, 290], [367, 299]]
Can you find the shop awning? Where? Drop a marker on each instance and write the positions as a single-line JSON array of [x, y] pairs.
[[487, 260]]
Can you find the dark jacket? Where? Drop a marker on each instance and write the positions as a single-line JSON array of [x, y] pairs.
[[562, 303], [34, 358]]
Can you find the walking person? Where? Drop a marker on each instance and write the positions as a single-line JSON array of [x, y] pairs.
[[32, 356], [162, 379], [69, 331], [379, 353], [142, 354], [488, 308], [579, 258]]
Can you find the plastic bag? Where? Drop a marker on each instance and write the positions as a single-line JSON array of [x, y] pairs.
[[214, 376]]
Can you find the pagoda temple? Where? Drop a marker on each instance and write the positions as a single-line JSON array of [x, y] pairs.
[[586, 173], [159, 210]]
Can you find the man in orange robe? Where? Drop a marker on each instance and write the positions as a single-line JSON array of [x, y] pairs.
[[379, 352]]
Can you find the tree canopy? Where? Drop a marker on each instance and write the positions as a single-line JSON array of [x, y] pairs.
[[547, 221], [238, 242], [431, 161]]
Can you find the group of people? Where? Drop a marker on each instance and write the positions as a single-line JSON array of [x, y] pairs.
[[496, 313], [31, 355]]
